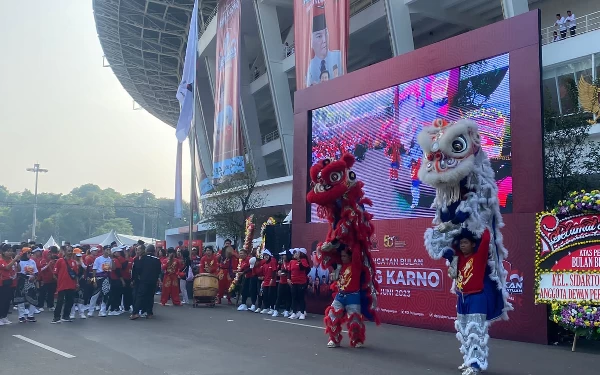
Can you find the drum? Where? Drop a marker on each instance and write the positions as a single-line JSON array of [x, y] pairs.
[[206, 285]]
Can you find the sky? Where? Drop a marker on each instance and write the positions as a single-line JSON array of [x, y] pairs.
[[61, 108]]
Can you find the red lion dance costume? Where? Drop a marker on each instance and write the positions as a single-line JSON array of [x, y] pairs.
[[340, 199]]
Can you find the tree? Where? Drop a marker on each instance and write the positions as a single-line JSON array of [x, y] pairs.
[[119, 225], [233, 200], [571, 159]]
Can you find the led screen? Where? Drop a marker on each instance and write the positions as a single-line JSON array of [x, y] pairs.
[[380, 129]]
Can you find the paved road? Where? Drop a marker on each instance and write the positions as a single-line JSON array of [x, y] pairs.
[[186, 341]]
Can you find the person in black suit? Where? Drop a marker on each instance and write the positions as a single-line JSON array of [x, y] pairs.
[[145, 274]]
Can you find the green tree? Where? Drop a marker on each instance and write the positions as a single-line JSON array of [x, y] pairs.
[[119, 225]]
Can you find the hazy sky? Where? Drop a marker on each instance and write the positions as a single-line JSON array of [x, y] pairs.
[[59, 107]]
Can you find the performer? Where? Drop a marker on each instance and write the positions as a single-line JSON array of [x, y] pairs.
[[26, 293], [340, 197], [394, 153], [227, 265], [466, 232], [170, 288], [101, 283], [209, 262]]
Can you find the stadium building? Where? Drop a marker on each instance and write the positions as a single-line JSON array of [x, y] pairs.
[[144, 44]]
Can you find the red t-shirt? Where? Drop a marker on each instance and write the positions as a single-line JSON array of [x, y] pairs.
[[209, 263], [269, 269], [297, 274], [126, 266], [284, 268], [65, 282], [471, 269], [45, 275], [349, 280], [4, 274], [117, 266]]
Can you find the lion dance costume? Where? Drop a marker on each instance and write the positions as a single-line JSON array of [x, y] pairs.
[[340, 199], [466, 204]]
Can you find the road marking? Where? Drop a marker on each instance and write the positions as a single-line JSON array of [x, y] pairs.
[[296, 324], [49, 348]]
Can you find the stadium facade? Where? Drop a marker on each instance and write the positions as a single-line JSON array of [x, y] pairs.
[[144, 44]]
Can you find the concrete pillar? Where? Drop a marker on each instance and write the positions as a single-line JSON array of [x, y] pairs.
[[511, 8], [249, 117], [399, 26], [270, 37]]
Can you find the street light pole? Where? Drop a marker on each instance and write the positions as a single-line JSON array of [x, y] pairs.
[[37, 170]]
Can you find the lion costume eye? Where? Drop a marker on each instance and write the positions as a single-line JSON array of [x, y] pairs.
[[335, 177], [352, 176], [459, 144]]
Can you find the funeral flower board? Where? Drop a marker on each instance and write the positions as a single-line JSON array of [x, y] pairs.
[[567, 258]]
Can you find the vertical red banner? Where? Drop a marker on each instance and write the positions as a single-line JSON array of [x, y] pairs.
[[321, 30], [228, 153]]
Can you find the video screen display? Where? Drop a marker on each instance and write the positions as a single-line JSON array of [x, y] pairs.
[[381, 130]]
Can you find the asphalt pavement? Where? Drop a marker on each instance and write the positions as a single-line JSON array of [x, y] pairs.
[[221, 340]]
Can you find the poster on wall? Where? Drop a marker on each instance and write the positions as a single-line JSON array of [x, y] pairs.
[[567, 259], [228, 152], [321, 40]]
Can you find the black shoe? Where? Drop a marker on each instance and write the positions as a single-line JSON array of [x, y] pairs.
[[55, 321], [22, 320], [67, 320], [31, 320]]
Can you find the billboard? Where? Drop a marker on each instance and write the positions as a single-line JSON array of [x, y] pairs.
[[228, 149], [321, 40], [491, 75]]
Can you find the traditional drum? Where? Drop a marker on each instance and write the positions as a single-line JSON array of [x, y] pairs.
[[205, 286]]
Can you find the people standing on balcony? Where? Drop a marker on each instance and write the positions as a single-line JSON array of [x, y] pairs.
[[555, 37], [571, 23], [562, 25]]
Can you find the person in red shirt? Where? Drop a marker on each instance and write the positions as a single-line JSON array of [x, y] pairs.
[[126, 266], [283, 289], [209, 263], [299, 268], [415, 187], [228, 263], [66, 273], [116, 282], [347, 300], [7, 262], [249, 286], [268, 286], [479, 300], [170, 286], [46, 280]]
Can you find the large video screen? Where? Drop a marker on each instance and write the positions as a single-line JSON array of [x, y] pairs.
[[381, 128]]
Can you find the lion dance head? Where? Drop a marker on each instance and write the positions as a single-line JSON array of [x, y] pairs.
[[331, 180], [451, 151]]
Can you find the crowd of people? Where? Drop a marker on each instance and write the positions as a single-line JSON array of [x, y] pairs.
[[564, 24], [111, 280]]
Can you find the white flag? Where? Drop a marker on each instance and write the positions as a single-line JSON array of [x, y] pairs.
[[185, 92]]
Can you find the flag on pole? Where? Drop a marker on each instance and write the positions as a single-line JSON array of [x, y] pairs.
[[185, 92]]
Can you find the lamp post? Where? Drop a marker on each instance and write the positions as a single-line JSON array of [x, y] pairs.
[[37, 170]]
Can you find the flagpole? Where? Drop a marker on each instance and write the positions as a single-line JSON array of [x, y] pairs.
[[192, 136]]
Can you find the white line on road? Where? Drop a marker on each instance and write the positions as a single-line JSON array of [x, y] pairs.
[[49, 348], [296, 324]]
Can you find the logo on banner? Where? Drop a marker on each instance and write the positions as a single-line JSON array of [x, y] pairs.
[[556, 234], [514, 279], [392, 242]]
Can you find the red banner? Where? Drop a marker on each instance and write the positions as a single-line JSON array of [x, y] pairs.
[[567, 258], [228, 153], [321, 40]]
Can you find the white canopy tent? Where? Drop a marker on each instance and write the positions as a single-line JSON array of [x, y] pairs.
[[120, 239], [51, 242]]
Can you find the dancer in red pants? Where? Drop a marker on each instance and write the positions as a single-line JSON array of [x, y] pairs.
[[228, 262], [170, 287]]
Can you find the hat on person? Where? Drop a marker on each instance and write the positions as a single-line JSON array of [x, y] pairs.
[[94, 248], [302, 250], [283, 252], [319, 21], [115, 250], [36, 250], [25, 250], [77, 251], [267, 252]]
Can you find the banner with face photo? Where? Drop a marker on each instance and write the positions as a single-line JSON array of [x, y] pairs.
[[228, 152], [321, 40]]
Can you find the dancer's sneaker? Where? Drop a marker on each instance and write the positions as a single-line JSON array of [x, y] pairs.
[[470, 371], [31, 319], [82, 316], [102, 314], [242, 307], [66, 320], [275, 314], [286, 314], [22, 320], [90, 313], [41, 309], [113, 313], [265, 311], [463, 367], [294, 316], [72, 316], [5, 321], [359, 345], [302, 316], [332, 344], [252, 308], [55, 321], [52, 309]]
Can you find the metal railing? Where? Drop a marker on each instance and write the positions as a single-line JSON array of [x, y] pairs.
[[270, 137], [585, 24], [207, 21]]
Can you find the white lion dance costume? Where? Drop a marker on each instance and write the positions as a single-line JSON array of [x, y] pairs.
[[467, 210]]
